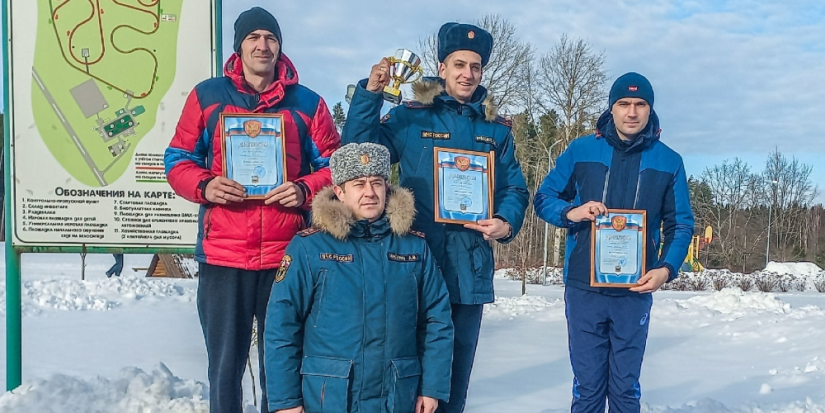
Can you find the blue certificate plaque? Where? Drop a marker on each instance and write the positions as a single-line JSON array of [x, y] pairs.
[[618, 248], [254, 151], [464, 181]]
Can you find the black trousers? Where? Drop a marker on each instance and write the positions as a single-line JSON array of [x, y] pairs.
[[467, 324], [228, 298]]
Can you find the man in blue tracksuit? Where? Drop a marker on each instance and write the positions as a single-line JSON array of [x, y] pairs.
[[452, 111], [622, 166], [359, 317]]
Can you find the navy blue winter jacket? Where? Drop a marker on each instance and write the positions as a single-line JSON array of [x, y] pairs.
[[641, 174], [410, 131]]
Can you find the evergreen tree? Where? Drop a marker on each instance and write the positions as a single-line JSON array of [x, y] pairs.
[[339, 117]]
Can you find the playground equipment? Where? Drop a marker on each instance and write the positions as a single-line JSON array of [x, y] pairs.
[[697, 242]]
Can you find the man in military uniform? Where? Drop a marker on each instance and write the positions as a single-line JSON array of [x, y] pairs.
[[359, 317], [452, 111]]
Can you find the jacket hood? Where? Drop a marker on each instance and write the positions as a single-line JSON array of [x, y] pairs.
[[428, 89], [332, 216], [606, 128], [285, 75]]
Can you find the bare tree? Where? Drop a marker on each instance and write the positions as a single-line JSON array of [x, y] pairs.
[[570, 81], [787, 187], [733, 189], [428, 52], [505, 75]]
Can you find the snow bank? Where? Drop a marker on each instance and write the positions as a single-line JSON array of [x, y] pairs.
[[802, 269], [135, 391], [510, 307], [101, 295], [738, 303]]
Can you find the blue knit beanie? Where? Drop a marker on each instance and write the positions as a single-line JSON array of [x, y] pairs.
[[631, 85], [458, 36], [253, 19]]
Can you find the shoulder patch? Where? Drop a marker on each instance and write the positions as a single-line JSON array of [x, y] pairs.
[[309, 231], [286, 261], [417, 233], [412, 104], [486, 139], [504, 121]]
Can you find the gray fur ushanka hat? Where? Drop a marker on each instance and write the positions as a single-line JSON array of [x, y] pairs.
[[356, 160]]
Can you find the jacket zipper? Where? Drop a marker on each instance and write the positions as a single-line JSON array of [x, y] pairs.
[[636, 198], [606, 184], [322, 277], [323, 393], [257, 104]]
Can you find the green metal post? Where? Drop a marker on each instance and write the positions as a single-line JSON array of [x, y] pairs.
[[218, 26], [14, 341]]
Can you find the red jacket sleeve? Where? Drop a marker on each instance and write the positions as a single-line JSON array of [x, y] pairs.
[[185, 158], [325, 140]]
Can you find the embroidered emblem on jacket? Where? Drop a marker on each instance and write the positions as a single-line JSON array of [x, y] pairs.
[[417, 233], [286, 261]]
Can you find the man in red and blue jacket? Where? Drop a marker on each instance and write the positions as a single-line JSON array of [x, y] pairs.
[[241, 241], [623, 165]]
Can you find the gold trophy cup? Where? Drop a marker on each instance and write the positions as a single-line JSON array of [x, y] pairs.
[[403, 65]]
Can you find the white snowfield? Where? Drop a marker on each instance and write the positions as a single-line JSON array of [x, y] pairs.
[[135, 345]]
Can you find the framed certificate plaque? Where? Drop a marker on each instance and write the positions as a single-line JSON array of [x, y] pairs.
[[464, 185], [617, 245], [254, 151]]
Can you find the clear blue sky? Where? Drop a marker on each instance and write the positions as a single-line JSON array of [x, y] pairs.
[[733, 78]]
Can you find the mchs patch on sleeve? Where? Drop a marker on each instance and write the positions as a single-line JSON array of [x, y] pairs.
[[286, 261]]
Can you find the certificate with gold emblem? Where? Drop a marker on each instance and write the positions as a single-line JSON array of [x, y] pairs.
[[254, 151], [617, 242], [463, 185]]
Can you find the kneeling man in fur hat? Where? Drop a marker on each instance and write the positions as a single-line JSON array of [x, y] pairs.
[[359, 316]]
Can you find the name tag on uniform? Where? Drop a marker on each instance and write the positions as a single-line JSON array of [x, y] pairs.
[[325, 256], [486, 139], [403, 257], [434, 135]]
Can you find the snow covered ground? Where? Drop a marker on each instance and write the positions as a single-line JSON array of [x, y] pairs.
[[134, 345]]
